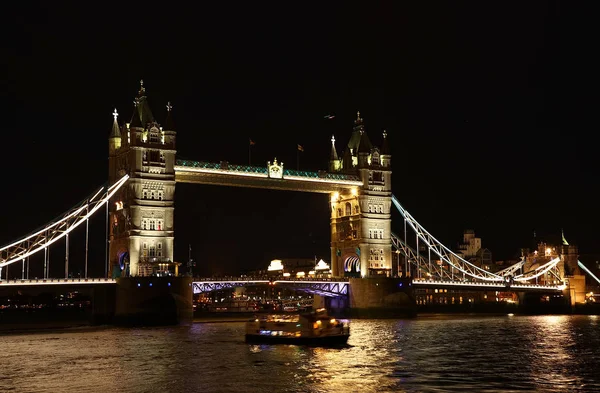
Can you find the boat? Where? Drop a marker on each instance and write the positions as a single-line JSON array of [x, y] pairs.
[[315, 328]]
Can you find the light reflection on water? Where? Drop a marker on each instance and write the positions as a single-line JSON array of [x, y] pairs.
[[441, 354]]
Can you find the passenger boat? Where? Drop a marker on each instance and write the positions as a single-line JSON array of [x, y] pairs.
[[316, 328]]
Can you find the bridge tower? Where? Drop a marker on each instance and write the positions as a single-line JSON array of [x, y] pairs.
[[141, 213], [361, 244]]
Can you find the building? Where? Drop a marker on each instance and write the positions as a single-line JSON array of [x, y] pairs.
[[361, 244], [470, 249], [141, 213], [298, 268]]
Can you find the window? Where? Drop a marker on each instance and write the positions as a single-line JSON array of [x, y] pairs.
[[152, 250], [339, 212], [370, 208], [356, 209], [160, 195], [154, 135], [145, 194], [145, 250], [152, 224], [348, 208], [375, 160], [159, 250]]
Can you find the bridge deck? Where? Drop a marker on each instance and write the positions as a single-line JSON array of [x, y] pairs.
[[58, 281]]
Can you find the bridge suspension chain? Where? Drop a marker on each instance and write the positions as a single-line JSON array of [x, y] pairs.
[[41, 239], [433, 271], [444, 253], [455, 261]]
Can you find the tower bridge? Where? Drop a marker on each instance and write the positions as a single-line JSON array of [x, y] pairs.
[[139, 202]]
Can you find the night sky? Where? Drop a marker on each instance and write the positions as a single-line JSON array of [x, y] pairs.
[[491, 112]]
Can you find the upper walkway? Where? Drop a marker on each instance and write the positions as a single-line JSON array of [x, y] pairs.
[[274, 177]]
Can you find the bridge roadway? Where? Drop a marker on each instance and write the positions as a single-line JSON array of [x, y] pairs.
[[57, 281], [326, 286]]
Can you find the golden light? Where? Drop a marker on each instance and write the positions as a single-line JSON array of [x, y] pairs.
[[354, 191], [335, 196]]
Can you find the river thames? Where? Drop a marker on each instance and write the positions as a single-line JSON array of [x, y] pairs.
[[426, 354]]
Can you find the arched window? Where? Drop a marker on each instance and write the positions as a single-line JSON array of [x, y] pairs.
[[375, 158], [348, 208], [154, 135]]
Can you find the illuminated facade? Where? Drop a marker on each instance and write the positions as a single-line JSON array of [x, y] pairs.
[[141, 214], [360, 217]]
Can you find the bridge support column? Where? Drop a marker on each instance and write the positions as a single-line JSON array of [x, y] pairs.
[[103, 304], [148, 301], [381, 298]]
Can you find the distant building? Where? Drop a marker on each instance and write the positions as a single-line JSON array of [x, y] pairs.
[[299, 268], [470, 249], [294, 267]]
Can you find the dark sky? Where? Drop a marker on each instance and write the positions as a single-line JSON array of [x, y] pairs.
[[490, 110]]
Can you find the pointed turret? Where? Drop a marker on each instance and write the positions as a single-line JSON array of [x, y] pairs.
[[142, 115], [169, 124], [135, 117], [115, 132], [385, 146], [359, 129], [114, 139], [564, 241], [334, 162], [386, 155], [334, 155]]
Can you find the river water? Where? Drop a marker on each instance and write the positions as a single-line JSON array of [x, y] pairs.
[[429, 354]]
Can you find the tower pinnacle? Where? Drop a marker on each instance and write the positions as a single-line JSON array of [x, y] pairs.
[[169, 107], [115, 133], [334, 155], [385, 147], [565, 242]]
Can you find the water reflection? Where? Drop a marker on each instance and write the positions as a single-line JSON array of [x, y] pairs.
[[441, 354]]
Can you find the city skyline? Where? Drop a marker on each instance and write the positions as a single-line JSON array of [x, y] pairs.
[[492, 139]]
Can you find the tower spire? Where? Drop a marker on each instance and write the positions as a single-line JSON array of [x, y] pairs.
[[334, 155], [115, 133], [565, 242], [169, 124], [385, 146], [142, 115]]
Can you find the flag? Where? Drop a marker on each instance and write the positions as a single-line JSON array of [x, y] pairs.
[[300, 148], [252, 142]]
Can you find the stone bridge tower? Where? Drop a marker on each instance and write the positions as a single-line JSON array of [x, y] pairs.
[[141, 213], [361, 244]]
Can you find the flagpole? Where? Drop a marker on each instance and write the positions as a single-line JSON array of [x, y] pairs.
[[297, 159], [249, 152]]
